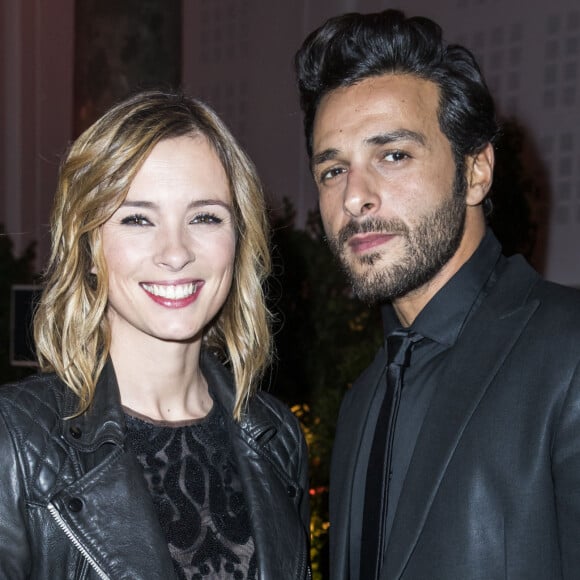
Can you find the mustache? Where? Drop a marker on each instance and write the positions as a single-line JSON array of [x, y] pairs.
[[371, 225]]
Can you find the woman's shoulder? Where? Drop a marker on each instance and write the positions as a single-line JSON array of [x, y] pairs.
[[36, 397], [263, 413], [272, 420], [269, 405]]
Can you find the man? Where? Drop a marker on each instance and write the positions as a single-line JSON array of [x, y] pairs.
[[461, 459]]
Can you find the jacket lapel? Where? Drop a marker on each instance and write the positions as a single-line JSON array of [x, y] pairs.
[[108, 514], [472, 365], [347, 450]]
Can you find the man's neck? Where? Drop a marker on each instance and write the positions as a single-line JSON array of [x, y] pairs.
[[409, 306]]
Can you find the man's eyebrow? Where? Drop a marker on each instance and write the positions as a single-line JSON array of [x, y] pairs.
[[394, 136], [323, 156], [380, 139]]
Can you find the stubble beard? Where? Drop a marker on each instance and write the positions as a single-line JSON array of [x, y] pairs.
[[427, 248]]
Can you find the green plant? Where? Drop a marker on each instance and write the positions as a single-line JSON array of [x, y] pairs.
[[324, 339]]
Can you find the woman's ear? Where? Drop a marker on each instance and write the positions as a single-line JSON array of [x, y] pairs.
[[95, 248], [479, 175]]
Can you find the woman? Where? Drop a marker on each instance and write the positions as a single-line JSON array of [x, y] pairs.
[[137, 454]]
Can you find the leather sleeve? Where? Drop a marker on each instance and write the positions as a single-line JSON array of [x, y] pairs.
[[291, 452], [566, 474], [299, 473], [15, 557]]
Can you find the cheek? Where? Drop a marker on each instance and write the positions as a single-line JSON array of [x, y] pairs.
[[419, 197], [218, 251], [119, 257], [122, 256], [330, 213]]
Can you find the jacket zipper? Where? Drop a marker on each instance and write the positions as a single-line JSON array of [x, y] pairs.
[[304, 568], [70, 535]]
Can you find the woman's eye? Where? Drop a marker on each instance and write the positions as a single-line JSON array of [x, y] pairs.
[[136, 220], [206, 218]]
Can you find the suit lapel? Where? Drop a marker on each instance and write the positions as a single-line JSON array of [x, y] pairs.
[[472, 365], [347, 450]]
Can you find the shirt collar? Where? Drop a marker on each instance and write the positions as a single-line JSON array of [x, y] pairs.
[[445, 314]]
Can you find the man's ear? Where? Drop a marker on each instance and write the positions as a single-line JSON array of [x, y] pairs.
[[479, 175]]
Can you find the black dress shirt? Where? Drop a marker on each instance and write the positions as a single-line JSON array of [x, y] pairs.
[[440, 323]]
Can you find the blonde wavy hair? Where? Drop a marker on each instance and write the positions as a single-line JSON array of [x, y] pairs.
[[70, 327]]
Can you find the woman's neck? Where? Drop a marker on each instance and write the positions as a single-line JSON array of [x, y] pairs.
[[163, 380]]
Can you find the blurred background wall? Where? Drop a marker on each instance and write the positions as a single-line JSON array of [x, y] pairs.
[[63, 61]]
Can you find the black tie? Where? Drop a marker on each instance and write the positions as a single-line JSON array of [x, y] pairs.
[[399, 346]]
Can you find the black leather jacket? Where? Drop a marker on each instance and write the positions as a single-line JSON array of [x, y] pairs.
[[74, 504]]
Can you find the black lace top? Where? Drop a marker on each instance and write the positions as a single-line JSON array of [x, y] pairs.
[[191, 474]]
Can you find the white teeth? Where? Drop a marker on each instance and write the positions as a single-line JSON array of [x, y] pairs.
[[176, 292]]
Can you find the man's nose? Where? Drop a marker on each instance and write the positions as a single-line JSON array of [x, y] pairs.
[[361, 196]]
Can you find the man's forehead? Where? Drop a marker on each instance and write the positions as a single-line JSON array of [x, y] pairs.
[[387, 104], [369, 93]]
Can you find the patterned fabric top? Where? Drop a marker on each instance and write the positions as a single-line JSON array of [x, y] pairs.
[[191, 473]]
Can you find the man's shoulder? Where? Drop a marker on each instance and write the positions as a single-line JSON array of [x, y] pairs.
[[558, 314], [557, 295], [518, 284]]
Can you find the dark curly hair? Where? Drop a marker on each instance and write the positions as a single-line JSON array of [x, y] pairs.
[[352, 47]]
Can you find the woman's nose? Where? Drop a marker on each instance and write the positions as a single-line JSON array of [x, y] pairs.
[[174, 249]]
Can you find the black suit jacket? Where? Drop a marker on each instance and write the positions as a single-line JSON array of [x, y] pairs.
[[493, 487]]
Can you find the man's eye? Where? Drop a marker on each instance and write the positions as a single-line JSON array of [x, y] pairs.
[[136, 220], [331, 173], [206, 218], [395, 156]]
